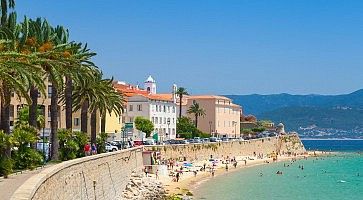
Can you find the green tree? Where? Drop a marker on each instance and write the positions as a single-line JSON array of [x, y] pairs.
[[197, 111], [181, 92], [144, 125], [5, 6], [68, 146], [25, 157], [6, 163]]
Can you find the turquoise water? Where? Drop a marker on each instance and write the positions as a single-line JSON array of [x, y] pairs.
[[327, 178]]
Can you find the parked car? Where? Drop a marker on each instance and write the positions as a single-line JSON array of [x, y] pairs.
[[183, 141], [213, 139], [138, 143], [206, 140], [224, 139], [148, 141], [110, 147], [197, 140]]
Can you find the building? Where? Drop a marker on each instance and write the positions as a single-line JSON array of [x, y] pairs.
[[44, 103], [222, 117], [160, 109]]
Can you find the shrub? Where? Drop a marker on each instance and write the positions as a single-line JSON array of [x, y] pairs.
[[68, 146], [101, 140], [25, 157], [81, 140], [6, 164]]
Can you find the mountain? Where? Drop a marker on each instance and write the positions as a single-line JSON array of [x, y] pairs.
[[257, 104], [325, 116]]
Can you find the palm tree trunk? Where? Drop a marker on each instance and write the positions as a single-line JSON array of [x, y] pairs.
[[4, 11], [5, 116], [33, 107], [54, 123], [103, 123], [33, 110], [68, 99], [5, 110], [93, 126], [196, 121], [84, 117], [180, 105]]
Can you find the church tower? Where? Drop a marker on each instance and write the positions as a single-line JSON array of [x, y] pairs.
[[150, 85]]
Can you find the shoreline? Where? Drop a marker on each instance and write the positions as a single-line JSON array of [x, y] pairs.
[[189, 183]]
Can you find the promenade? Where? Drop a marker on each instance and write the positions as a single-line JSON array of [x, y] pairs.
[[10, 185]]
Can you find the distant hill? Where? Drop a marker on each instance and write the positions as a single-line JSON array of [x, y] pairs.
[[310, 115], [257, 104]]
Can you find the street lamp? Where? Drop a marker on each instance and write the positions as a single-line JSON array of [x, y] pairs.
[[210, 127], [168, 122]]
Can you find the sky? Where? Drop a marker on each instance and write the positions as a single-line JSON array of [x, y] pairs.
[[219, 47]]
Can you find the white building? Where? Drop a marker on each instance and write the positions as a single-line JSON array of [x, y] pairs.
[[158, 108]]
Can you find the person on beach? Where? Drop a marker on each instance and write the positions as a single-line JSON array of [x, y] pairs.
[[204, 166], [157, 174], [195, 173], [87, 149], [235, 164], [213, 172], [245, 162], [177, 177], [146, 171], [226, 167]]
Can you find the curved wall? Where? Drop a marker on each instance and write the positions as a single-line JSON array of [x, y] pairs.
[[103, 176]]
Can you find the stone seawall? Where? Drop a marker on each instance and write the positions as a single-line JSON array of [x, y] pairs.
[[191, 152], [102, 176]]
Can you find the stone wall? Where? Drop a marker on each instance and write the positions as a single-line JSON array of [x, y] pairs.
[[102, 176], [281, 144]]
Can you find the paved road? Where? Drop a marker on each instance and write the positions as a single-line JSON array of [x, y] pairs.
[[10, 185]]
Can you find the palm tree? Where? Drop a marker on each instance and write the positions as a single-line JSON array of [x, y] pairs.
[[109, 101], [94, 95], [197, 111], [82, 68], [5, 5], [181, 92]]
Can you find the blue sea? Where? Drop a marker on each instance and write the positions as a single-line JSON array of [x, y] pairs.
[[338, 176]]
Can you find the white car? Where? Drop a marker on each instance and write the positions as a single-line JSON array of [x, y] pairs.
[[110, 147]]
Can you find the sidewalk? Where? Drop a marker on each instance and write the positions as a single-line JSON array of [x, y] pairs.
[[10, 185]]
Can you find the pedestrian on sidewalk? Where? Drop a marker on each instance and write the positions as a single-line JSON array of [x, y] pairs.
[[87, 149]]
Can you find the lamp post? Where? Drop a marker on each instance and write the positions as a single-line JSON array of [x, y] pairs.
[[210, 127], [168, 122], [235, 125]]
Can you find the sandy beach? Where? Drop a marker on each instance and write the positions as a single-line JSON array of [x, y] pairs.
[[189, 182]]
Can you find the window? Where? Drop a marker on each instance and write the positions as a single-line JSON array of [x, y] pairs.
[[156, 120], [139, 107], [173, 120], [76, 121], [164, 120], [164, 108], [11, 110], [49, 111], [173, 109], [168, 109], [131, 108], [153, 120], [160, 120], [49, 91], [131, 119]]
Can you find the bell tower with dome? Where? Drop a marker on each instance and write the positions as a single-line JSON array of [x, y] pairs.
[[150, 85]]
